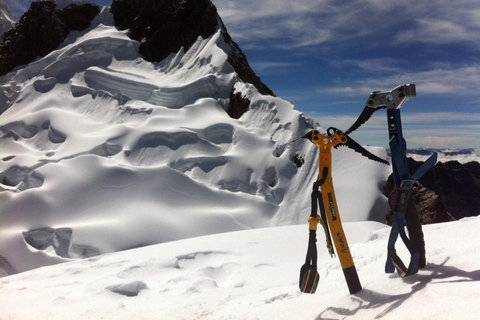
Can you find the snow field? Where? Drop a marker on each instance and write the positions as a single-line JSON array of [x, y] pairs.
[[254, 275]]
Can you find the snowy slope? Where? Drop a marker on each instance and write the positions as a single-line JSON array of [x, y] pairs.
[[254, 275], [102, 151]]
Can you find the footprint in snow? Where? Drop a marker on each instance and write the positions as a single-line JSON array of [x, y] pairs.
[[131, 289]]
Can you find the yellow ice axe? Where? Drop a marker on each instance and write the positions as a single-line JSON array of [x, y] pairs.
[[328, 205]]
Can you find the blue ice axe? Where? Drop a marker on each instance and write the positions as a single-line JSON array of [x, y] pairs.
[[393, 101]]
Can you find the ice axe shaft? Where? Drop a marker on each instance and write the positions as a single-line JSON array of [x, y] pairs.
[[325, 144]]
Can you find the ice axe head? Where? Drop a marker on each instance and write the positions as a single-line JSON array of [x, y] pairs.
[[377, 100], [333, 137]]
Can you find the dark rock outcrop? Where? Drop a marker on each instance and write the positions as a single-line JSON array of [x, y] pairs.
[[457, 185], [429, 205], [78, 17], [298, 160], [448, 191], [40, 31], [238, 105], [164, 26], [239, 62]]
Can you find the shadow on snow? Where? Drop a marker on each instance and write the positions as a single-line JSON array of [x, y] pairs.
[[369, 299]]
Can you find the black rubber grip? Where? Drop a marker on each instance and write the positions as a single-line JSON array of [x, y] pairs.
[[415, 232], [353, 282]]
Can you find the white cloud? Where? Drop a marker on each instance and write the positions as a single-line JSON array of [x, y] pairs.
[[387, 64], [309, 23], [268, 67], [429, 130], [457, 81], [436, 141], [441, 31], [441, 117]]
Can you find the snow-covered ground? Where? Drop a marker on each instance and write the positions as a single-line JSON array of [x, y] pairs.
[[254, 275]]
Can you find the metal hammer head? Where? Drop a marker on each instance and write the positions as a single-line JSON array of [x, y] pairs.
[[392, 99]]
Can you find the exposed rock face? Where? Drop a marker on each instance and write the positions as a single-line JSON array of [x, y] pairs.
[[449, 190], [239, 62], [457, 185], [40, 31], [429, 205], [164, 26], [238, 105]]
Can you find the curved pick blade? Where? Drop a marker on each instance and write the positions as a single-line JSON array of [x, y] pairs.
[[358, 148], [364, 116]]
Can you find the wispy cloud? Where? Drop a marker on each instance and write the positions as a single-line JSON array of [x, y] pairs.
[[378, 64], [460, 80], [439, 31], [268, 67], [437, 141], [441, 117], [309, 23], [424, 129], [18, 7]]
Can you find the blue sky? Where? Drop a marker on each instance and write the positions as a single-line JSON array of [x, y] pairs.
[[326, 56]]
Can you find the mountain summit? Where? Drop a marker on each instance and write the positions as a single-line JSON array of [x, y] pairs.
[[165, 26], [112, 141], [41, 30], [161, 27]]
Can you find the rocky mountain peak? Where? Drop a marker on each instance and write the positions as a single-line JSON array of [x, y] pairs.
[[165, 26], [41, 30]]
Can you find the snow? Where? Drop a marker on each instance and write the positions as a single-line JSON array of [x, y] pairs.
[[127, 192], [254, 275], [103, 151]]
